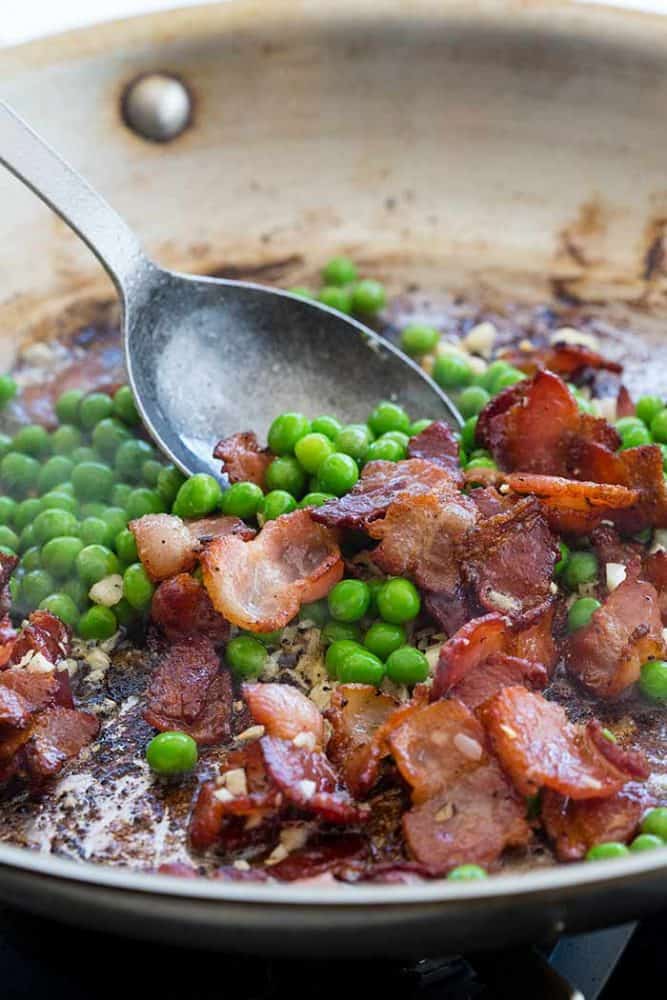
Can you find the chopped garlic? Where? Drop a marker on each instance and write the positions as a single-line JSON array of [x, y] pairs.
[[504, 602], [659, 541], [444, 813], [235, 781], [568, 335], [479, 339], [306, 788], [304, 740], [606, 407], [241, 865], [477, 365], [615, 573], [432, 654], [36, 663], [469, 747], [108, 591], [251, 733], [223, 795]]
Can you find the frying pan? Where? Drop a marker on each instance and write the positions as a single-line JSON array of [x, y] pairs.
[[501, 150]]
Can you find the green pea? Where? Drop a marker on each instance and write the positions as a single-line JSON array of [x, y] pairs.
[[338, 631], [62, 607], [312, 449], [35, 586], [169, 483], [66, 439], [285, 431], [317, 613], [468, 432], [398, 601], [268, 638], [63, 501], [171, 753], [84, 454], [245, 656], [198, 496], [54, 523], [5, 444], [116, 518], [326, 425], [564, 556], [353, 440], [315, 499], [15, 590], [407, 665], [93, 509], [383, 638], [388, 416], [19, 472], [417, 426], [285, 473], [94, 407], [509, 378], [418, 339], [31, 559], [150, 471], [582, 567], [581, 613], [8, 389], [27, 538], [611, 849], [92, 480], [144, 501], [8, 538], [337, 474], [336, 298], [368, 297], [625, 424], [635, 437], [653, 680], [32, 440], [95, 531], [339, 271], [338, 652], [130, 458], [59, 555], [452, 371], [467, 873], [361, 668], [349, 600], [138, 588], [301, 292], [659, 427], [67, 406], [109, 434], [124, 407], [472, 400], [124, 612], [646, 842], [57, 470], [7, 510], [655, 822], [77, 591], [242, 500], [94, 562], [121, 493], [387, 448], [98, 623], [126, 546], [26, 512], [648, 407], [275, 504]]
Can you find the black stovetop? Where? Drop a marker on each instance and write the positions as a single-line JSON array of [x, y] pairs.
[[39, 958]]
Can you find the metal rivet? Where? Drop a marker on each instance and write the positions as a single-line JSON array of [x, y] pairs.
[[157, 106]]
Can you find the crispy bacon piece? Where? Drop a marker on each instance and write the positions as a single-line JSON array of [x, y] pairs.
[[530, 426], [382, 483], [573, 827], [168, 545], [467, 649], [470, 821], [45, 634], [497, 672], [7, 566], [356, 713], [419, 537], [23, 692], [260, 585], [190, 693], [489, 501], [509, 560], [532, 639], [7, 636], [655, 571], [206, 529], [644, 473], [539, 748], [181, 606], [606, 655], [57, 735], [242, 458], [437, 443], [574, 507], [321, 854], [284, 712], [566, 360], [609, 547], [309, 782], [449, 610]]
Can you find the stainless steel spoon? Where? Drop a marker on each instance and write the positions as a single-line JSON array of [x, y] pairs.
[[207, 357]]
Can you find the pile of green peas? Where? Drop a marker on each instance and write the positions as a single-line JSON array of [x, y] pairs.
[[342, 289], [653, 834], [648, 426]]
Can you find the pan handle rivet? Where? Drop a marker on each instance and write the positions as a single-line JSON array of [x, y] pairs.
[[157, 106]]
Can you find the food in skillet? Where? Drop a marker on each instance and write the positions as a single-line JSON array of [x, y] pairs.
[[387, 651]]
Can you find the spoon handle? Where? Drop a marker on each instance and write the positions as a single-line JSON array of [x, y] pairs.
[[35, 163]]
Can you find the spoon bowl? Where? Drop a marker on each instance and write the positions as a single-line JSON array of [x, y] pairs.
[[207, 357]]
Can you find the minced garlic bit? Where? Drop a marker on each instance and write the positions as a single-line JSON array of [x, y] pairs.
[[108, 591], [615, 573], [445, 813], [469, 747], [659, 541], [480, 339], [305, 740], [569, 335], [432, 654], [223, 794], [504, 488], [241, 865], [553, 588], [235, 781], [35, 663], [306, 788], [251, 733]]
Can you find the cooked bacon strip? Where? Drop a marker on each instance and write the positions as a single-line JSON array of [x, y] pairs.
[[471, 821], [609, 547], [607, 653], [489, 501], [320, 855], [573, 827], [7, 566], [419, 538], [309, 782], [285, 712], [7, 637], [574, 507], [260, 585], [655, 571], [437, 443], [497, 672], [644, 473], [356, 713], [539, 748], [450, 610], [57, 735], [382, 483], [181, 606], [42, 634], [242, 458], [567, 360], [190, 693], [23, 692], [467, 649], [509, 560], [168, 546], [533, 639]]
